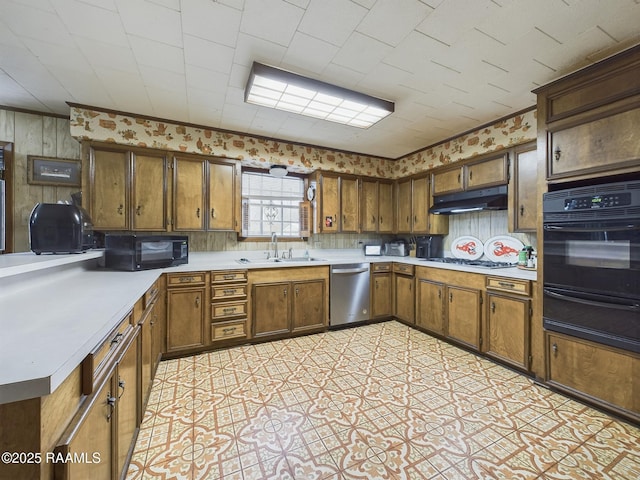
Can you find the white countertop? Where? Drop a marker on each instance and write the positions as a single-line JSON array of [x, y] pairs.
[[52, 321]]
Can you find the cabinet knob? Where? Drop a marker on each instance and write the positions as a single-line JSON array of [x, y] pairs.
[[111, 403], [470, 174], [373, 219], [380, 219], [197, 302], [198, 212], [120, 209], [493, 307], [521, 210], [557, 153], [458, 178], [138, 208], [285, 292], [450, 297], [439, 293], [297, 291], [554, 347], [213, 213]]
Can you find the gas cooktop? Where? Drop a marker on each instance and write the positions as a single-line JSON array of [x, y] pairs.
[[466, 261]]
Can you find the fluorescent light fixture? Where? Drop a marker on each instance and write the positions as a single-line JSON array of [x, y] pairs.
[[276, 88]]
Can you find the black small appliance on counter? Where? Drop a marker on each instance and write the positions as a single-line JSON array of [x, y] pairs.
[[429, 247], [133, 252], [60, 228]]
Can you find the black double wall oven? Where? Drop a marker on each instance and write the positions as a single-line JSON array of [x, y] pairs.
[[592, 263]]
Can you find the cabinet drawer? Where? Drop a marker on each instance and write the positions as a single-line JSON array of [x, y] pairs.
[[402, 268], [224, 330], [229, 276], [228, 292], [150, 295], [521, 287], [186, 279], [220, 311], [97, 361], [380, 267]]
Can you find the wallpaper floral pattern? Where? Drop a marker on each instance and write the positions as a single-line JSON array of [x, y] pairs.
[[90, 124]]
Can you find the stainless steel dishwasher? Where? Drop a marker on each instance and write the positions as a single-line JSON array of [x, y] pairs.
[[349, 293]]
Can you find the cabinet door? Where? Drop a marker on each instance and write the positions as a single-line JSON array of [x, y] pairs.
[[222, 180], [607, 375], [308, 305], [463, 315], [349, 205], [188, 194], [92, 430], [128, 399], [430, 297], [158, 321], [109, 187], [369, 206], [149, 192], [385, 207], [508, 327], [330, 198], [448, 181], [404, 206], [146, 354], [404, 298], [523, 190], [381, 295], [270, 308], [598, 146], [487, 173], [420, 205], [185, 318]]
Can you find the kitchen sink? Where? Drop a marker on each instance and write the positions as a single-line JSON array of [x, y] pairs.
[[281, 260]]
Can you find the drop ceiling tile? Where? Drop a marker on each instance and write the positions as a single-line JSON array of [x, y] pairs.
[[206, 99], [332, 20], [361, 53], [12, 94], [163, 79], [342, 76], [200, 115], [172, 4], [211, 21], [281, 17], [202, 78], [206, 54], [415, 52], [102, 54], [86, 86], [149, 20], [28, 22], [250, 49], [390, 21], [89, 21], [126, 89], [157, 54], [306, 53], [166, 105], [52, 55]]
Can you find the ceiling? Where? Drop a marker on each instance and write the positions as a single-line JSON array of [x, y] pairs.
[[449, 65]]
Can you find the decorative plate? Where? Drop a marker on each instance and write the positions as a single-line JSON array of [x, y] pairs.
[[503, 248], [467, 247]]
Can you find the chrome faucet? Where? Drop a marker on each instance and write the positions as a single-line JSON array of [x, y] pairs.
[[274, 241]]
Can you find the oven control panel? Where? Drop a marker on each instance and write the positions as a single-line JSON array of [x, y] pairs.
[[598, 201]]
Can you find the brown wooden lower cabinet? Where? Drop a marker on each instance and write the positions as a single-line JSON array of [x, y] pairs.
[[403, 293], [507, 329], [430, 305], [606, 376], [381, 290], [463, 315], [186, 310], [288, 300]]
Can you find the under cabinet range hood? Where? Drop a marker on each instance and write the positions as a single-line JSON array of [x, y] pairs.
[[494, 198]]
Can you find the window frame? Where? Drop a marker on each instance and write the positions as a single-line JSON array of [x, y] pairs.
[[253, 238]]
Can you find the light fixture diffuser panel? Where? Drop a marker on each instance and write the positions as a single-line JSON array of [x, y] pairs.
[[282, 90]]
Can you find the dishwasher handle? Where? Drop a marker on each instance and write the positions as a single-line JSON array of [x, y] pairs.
[[350, 270]]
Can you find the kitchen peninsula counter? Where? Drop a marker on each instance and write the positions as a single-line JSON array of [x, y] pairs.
[[57, 308]]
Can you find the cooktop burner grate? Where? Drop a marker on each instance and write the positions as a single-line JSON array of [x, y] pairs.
[[466, 261]]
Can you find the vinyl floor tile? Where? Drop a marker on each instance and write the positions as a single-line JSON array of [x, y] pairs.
[[381, 401]]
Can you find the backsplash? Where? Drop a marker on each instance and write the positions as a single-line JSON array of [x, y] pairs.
[[483, 225]]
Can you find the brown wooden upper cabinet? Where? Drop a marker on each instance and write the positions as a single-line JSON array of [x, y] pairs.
[[587, 121], [376, 206], [205, 194], [127, 189], [338, 203], [487, 171], [523, 198], [413, 202]]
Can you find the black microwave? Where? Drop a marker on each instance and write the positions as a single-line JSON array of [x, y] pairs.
[[143, 252]]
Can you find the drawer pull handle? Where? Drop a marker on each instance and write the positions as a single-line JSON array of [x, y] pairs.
[[229, 277], [121, 384], [229, 310], [228, 330], [111, 402], [187, 279], [507, 284], [116, 339], [229, 291]]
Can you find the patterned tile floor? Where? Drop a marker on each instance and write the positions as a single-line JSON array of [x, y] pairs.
[[381, 401]]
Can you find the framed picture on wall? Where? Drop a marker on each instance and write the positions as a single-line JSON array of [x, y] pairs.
[[53, 171]]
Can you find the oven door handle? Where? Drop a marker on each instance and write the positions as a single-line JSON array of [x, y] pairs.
[[594, 303], [564, 228]]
